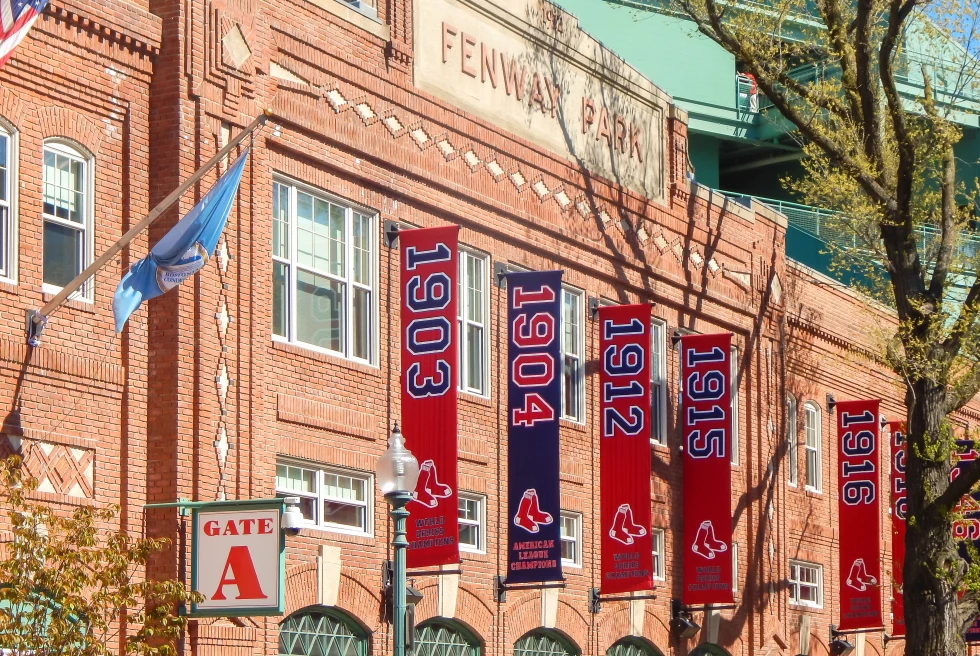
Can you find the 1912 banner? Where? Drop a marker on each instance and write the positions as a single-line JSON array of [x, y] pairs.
[[707, 432], [859, 516], [624, 450], [896, 432], [533, 411], [429, 374]]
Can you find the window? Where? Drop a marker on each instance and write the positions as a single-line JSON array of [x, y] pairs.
[[444, 638], [735, 390], [572, 380], [734, 567], [793, 468], [337, 500], [473, 333], [323, 276], [571, 543], [7, 232], [632, 647], [544, 642], [67, 219], [321, 632], [805, 584], [659, 554], [658, 382], [471, 524], [811, 428]]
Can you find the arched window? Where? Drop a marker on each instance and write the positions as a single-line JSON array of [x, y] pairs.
[[543, 642], [814, 445], [792, 459], [708, 649], [445, 638], [633, 647], [67, 197], [8, 190], [318, 631]]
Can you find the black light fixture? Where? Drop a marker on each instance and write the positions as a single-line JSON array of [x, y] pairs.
[[831, 402], [681, 622], [839, 646]]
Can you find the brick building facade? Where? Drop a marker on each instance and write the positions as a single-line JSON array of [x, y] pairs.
[[277, 369]]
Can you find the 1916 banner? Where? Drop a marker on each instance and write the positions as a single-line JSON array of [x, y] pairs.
[[859, 516], [429, 374], [896, 432], [533, 410], [624, 450], [966, 529], [707, 427]]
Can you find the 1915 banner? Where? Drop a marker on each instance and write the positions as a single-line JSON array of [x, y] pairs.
[[859, 514], [624, 450], [896, 432], [533, 411], [707, 432], [966, 529], [429, 374]]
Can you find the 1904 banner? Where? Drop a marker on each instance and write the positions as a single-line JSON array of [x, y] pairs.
[[707, 421], [859, 514], [896, 432], [533, 410], [624, 449], [429, 374]]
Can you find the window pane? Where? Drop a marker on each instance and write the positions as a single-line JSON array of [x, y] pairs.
[[475, 283], [280, 220], [337, 239], [469, 534], [570, 373], [4, 166], [63, 248], [319, 311], [321, 231], [362, 249], [362, 324], [568, 550], [280, 299], [304, 229], [335, 512], [338, 486], [656, 411], [474, 365]]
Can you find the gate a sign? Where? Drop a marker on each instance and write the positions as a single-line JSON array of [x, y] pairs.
[[238, 559]]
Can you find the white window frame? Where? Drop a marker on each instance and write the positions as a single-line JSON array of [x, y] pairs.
[[577, 540], [461, 322], [8, 200], [792, 437], [794, 584], [292, 265], [735, 387], [734, 567], [658, 540], [658, 395], [580, 379], [320, 496], [66, 148], [480, 523], [812, 415]]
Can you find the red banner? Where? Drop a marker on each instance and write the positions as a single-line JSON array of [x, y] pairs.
[[896, 432], [624, 451], [859, 515], [707, 421], [429, 374]]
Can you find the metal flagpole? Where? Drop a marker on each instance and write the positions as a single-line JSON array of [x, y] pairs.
[[37, 319]]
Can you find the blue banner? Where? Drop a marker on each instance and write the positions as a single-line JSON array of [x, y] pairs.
[[533, 411]]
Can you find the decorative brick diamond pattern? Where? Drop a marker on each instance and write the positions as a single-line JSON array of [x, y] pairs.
[[336, 99], [364, 111], [471, 159], [696, 258], [518, 179], [446, 148], [496, 170], [394, 125], [420, 136], [541, 189], [59, 469]]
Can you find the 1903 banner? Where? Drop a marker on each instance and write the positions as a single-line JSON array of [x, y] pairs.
[[533, 411], [707, 431], [429, 373], [859, 514], [624, 449], [896, 432]]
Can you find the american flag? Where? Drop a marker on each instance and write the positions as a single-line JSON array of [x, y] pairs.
[[16, 18]]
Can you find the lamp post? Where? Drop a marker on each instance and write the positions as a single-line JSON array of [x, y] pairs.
[[398, 472]]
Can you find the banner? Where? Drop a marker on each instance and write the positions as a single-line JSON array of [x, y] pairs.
[[967, 528], [533, 410], [859, 514], [707, 432], [896, 432], [429, 374], [624, 450]]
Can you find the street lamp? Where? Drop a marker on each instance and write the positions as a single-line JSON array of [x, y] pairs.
[[398, 472]]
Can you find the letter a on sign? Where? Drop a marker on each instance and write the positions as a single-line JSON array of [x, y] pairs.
[[238, 559]]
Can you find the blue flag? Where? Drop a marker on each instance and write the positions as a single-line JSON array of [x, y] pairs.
[[183, 251]]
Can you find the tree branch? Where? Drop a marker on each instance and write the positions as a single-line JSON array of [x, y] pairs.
[[958, 488]]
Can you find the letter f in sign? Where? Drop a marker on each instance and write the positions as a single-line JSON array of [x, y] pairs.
[[239, 571]]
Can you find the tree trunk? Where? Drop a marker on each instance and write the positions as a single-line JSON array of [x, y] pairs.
[[932, 570]]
